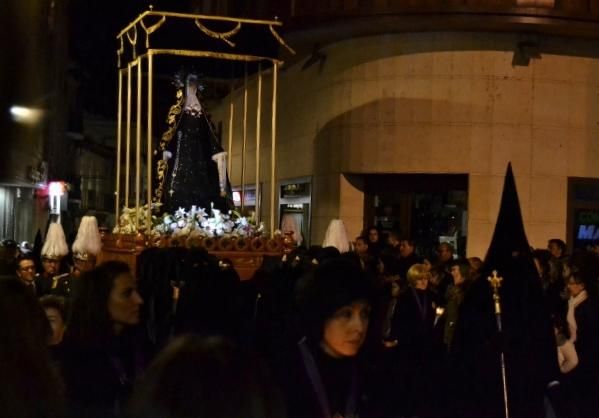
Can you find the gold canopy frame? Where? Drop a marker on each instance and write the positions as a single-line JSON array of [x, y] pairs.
[[129, 42]]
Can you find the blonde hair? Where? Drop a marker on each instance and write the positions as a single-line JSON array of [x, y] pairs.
[[416, 273]]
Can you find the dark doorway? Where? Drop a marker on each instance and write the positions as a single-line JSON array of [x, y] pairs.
[[427, 208]]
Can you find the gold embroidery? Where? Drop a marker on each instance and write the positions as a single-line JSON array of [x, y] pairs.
[[151, 29], [280, 39], [167, 136]]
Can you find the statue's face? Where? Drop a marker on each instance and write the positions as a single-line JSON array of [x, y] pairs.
[[192, 82]]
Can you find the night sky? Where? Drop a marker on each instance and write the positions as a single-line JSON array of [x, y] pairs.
[[93, 27]]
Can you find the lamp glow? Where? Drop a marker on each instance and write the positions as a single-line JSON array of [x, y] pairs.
[[26, 115]]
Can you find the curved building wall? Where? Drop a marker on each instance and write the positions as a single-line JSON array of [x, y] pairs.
[[437, 103]]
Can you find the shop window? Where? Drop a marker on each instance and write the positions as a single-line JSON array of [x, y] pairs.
[[427, 208]]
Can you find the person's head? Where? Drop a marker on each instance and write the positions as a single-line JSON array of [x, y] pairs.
[[393, 239], [575, 285], [106, 303], [445, 251], [406, 247], [373, 234], [460, 272], [205, 377], [192, 80], [436, 274], [475, 264], [50, 266], [25, 269], [54, 306], [83, 263], [556, 247], [335, 307], [361, 246], [418, 276], [11, 249], [30, 386]]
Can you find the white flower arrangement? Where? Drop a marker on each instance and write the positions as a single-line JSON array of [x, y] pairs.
[[192, 223]]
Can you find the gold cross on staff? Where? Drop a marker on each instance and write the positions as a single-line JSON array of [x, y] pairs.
[[495, 280]]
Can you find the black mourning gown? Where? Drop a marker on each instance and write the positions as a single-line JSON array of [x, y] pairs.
[[192, 176]]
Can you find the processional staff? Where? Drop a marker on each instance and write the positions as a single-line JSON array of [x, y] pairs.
[[495, 282]]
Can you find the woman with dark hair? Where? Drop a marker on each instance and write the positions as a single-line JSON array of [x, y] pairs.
[[102, 352], [461, 273], [55, 309], [30, 387], [324, 377], [205, 378], [374, 240], [550, 274]]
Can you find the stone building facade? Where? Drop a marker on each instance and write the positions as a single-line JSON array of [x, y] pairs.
[[435, 102]]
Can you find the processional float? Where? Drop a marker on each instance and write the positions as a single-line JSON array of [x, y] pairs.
[[224, 48]]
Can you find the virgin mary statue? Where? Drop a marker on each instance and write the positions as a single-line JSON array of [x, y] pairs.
[[193, 169]]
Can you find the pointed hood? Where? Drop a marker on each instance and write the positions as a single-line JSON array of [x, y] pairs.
[[526, 338], [88, 242], [55, 247], [509, 238], [336, 236], [38, 243]]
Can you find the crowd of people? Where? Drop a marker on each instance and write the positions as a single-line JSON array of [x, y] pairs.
[[376, 331]]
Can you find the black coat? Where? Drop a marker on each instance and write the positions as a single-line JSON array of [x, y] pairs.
[[99, 379], [299, 393], [418, 355], [527, 343], [412, 324], [585, 377]]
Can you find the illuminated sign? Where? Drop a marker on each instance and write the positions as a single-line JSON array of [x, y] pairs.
[[586, 227]]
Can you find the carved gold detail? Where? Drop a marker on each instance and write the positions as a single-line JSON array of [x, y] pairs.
[[223, 36], [167, 136]]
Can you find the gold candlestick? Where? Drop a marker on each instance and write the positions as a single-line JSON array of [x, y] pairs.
[[495, 282]]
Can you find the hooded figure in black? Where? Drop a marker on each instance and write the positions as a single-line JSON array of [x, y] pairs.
[[526, 341], [193, 170]]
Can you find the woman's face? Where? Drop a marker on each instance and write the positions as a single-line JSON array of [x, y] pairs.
[[422, 283], [361, 247], [57, 324], [575, 287], [457, 275], [345, 331], [373, 235], [124, 302]]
